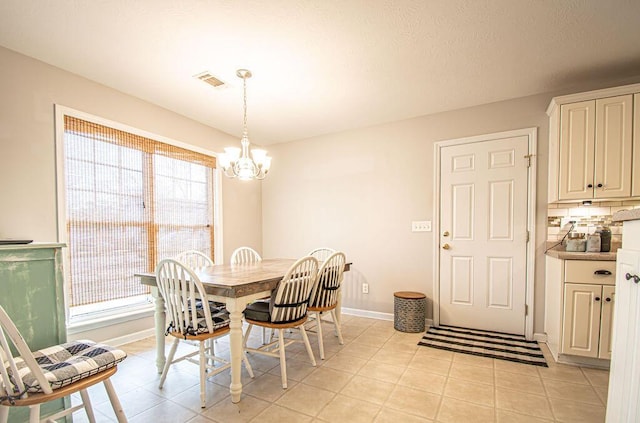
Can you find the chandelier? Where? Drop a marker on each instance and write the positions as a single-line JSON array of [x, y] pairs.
[[235, 161]]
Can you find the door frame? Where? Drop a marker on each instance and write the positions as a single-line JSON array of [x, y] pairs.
[[532, 135]]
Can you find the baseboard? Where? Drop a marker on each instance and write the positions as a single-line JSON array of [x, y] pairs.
[[367, 313], [540, 337], [375, 315], [131, 337]]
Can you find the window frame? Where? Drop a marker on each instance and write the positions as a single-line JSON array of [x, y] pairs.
[[103, 318]]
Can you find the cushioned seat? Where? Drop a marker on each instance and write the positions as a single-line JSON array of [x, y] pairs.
[[258, 311]]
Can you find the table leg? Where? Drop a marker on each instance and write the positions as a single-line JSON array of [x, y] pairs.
[[160, 322], [235, 308]]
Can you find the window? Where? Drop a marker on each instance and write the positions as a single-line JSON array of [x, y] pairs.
[[130, 201]]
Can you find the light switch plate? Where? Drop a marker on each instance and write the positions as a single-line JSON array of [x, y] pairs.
[[421, 226]]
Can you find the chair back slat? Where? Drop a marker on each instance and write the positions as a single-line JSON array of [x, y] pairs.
[[325, 290], [181, 289], [14, 385], [194, 259], [291, 297], [244, 255], [322, 254]]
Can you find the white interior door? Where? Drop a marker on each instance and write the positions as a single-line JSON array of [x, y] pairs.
[[483, 234]]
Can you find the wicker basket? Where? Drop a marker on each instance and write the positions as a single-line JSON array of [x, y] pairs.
[[409, 310]]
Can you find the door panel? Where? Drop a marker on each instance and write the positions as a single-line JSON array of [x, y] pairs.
[[580, 335], [606, 321], [577, 140], [484, 209]]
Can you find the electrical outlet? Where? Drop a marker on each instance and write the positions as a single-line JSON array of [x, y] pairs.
[[365, 288], [421, 226]]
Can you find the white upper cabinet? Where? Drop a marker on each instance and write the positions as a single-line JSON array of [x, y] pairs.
[[591, 145], [635, 184]]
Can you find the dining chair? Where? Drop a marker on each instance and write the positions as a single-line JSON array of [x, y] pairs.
[[244, 255], [30, 379], [194, 259], [189, 321], [322, 254], [286, 310], [324, 296]]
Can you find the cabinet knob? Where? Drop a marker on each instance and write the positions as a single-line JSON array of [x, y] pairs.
[[635, 278], [590, 186], [607, 299], [599, 185], [597, 298]]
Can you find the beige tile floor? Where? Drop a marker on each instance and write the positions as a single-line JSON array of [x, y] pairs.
[[378, 375]]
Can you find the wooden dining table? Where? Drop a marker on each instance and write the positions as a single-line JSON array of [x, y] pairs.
[[236, 285]]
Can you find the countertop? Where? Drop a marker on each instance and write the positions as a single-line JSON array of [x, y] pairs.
[[624, 215], [560, 253]]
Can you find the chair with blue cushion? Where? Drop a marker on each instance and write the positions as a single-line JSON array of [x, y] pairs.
[[34, 378], [190, 321], [287, 309]]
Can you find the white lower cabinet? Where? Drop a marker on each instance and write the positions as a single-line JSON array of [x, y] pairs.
[[579, 299], [588, 311], [623, 403]]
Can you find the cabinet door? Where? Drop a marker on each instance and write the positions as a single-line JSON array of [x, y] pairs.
[[577, 148], [614, 118], [581, 331], [606, 321], [623, 404], [636, 146]]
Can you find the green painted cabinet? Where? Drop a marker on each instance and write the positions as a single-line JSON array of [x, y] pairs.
[[31, 279]]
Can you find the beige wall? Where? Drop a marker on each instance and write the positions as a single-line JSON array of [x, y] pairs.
[[29, 89], [358, 191]]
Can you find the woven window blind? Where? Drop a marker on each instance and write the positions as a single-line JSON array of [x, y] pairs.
[[130, 201]]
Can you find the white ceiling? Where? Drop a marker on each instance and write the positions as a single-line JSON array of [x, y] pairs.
[[323, 66]]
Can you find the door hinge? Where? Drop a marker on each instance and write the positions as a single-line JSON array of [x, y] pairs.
[[528, 157], [526, 309]]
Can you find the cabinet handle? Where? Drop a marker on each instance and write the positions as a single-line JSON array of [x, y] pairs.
[[607, 299], [597, 298], [636, 278], [599, 185], [590, 186], [602, 272]]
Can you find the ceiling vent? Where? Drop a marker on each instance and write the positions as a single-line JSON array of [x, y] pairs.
[[209, 79]]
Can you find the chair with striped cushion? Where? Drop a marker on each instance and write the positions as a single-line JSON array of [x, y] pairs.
[[322, 254], [324, 297], [286, 310], [244, 255], [190, 321], [34, 378]]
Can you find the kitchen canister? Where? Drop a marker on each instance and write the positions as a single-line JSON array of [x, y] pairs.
[[576, 242], [593, 243], [605, 239]]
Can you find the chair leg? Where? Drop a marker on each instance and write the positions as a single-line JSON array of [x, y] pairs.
[[203, 375], [86, 401], [34, 413], [337, 326], [283, 360], [115, 402], [246, 336], [172, 353], [319, 331], [247, 364], [308, 345]]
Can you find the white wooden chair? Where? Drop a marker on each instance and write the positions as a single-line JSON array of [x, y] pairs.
[[190, 321], [244, 255], [286, 310], [34, 378], [194, 259], [322, 254], [324, 296]]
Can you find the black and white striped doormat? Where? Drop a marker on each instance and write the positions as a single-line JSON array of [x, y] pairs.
[[498, 345]]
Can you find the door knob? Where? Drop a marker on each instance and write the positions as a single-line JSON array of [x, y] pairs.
[[445, 233], [446, 247]]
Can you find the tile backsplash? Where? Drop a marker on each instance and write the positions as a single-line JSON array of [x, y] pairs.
[[587, 218]]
